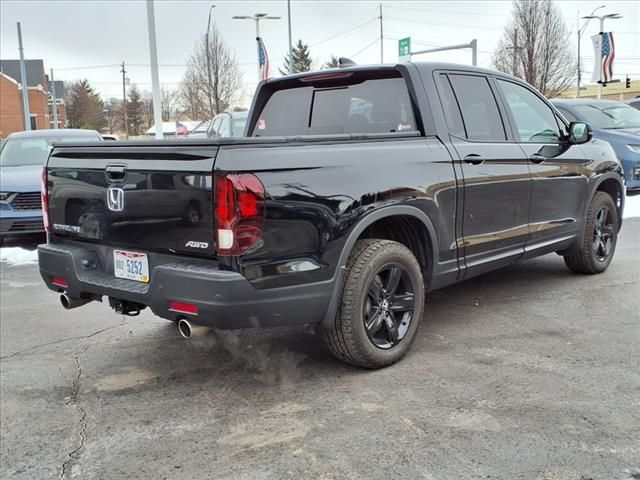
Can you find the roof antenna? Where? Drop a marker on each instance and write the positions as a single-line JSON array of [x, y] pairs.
[[344, 62]]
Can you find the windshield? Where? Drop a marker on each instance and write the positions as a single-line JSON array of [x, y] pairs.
[[238, 126], [618, 115], [33, 151]]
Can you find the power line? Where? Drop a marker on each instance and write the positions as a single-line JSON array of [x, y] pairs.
[[423, 22], [446, 11], [348, 30], [363, 49]]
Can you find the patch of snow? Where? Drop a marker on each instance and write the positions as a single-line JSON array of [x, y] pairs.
[[18, 256], [632, 207]]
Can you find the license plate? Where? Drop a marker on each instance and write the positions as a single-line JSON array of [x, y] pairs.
[[131, 265]]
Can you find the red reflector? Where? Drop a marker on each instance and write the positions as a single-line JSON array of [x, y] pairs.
[[44, 197], [60, 282], [326, 76], [184, 308]]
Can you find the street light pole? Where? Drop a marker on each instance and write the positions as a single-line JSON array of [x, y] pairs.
[[290, 44], [580, 31], [209, 61], [602, 18], [256, 18]]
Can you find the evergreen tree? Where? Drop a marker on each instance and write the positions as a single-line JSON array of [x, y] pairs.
[[135, 111], [84, 106], [300, 61], [334, 62]]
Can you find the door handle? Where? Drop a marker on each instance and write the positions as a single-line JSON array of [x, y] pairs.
[[474, 159], [115, 173], [537, 158]]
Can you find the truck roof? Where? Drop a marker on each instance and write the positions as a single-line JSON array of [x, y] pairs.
[[422, 66]]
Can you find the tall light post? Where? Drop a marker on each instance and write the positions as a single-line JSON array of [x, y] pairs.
[[256, 18], [289, 27], [209, 61], [602, 18], [580, 32]]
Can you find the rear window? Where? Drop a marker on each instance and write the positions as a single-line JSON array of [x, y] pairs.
[[373, 106]]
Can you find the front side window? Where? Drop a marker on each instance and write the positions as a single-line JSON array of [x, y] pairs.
[[373, 106], [535, 121], [480, 114]]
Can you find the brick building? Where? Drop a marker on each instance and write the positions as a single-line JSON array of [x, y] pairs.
[[40, 99]]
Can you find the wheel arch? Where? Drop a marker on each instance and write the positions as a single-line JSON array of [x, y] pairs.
[[411, 222], [612, 185]]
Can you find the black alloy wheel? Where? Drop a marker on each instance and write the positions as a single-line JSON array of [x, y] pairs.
[[389, 306], [603, 231]]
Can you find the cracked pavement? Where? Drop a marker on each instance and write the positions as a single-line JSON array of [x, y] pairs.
[[529, 372]]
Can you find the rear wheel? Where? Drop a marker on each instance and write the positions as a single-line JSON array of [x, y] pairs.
[[381, 305], [600, 237]]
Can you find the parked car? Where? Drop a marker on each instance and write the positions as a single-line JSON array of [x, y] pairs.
[[200, 130], [228, 124], [22, 159], [614, 122], [634, 102], [357, 191]]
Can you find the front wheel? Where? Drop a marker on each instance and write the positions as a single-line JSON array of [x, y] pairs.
[[600, 237], [381, 305]]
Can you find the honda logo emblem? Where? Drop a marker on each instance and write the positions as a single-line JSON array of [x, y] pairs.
[[115, 199]]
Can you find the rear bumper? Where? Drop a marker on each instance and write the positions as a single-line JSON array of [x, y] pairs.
[[224, 299]]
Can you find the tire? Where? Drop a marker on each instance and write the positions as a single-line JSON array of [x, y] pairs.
[[377, 322], [599, 237]]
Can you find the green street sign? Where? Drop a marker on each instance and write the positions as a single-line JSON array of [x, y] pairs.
[[404, 49]]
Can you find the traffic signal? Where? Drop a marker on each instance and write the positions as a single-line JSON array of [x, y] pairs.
[[628, 84]]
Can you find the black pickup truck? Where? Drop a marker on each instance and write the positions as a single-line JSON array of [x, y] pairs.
[[354, 192]]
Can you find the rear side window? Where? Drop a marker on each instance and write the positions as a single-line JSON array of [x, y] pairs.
[[480, 114], [373, 106]]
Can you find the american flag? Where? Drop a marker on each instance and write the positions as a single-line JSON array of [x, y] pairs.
[[263, 59], [604, 52], [608, 55]]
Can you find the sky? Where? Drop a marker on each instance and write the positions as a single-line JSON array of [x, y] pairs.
[[89, 39]]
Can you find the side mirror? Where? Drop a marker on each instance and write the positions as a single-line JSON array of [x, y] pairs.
[[579, 133]]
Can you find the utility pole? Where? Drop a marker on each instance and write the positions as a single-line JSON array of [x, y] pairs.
[[124, 102], [54, 103], [290, 44], [209, 62], [381, 37], [25, 84]]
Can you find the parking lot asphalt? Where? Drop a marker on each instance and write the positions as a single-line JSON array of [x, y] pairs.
[[529, 372]]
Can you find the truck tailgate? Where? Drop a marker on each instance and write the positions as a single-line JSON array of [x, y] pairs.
[[152, 198]]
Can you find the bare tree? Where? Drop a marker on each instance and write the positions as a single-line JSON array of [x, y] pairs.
[[147, 110], [535, 46], [226, 78], [170, 103]]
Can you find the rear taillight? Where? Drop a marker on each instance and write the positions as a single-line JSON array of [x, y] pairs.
[[44, 195], [239, 212]]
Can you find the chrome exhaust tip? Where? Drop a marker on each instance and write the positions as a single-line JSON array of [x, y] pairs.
[[69, 302], [188, 330]]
